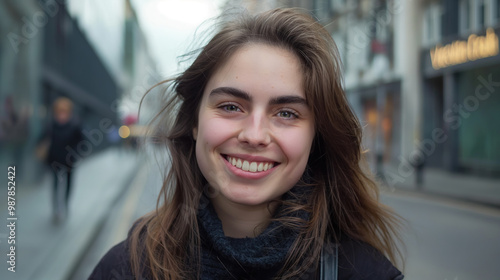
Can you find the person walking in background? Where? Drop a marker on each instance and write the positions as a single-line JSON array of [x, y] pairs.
[[61, 137]]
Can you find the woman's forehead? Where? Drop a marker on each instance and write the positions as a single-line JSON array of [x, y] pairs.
[[261, 67]]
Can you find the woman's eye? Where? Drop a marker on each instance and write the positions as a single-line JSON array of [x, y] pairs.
[[230, 108], [287, 115]]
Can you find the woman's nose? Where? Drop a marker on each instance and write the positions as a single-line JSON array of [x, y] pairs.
[[255, 130]]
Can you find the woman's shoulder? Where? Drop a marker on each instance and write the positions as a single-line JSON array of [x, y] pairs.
[[115, 264], [359, 260]]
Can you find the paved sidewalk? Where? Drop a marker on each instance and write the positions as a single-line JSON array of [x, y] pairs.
[[471, 188], [48, 251]]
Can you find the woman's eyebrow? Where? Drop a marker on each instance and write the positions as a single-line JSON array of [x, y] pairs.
[[287, 99], [231, 91], [238, 93]]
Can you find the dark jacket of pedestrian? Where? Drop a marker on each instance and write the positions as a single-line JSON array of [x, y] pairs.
[[64, 139]]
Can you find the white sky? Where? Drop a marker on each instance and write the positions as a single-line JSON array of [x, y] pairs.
[[170, 26]]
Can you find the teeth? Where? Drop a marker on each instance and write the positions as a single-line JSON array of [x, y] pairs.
[[250, 166], [260, 167], [246, 166], [253, 167]]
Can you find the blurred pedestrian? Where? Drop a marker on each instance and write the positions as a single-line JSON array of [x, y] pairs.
[[60, 142], [13, 129], [266, 178]]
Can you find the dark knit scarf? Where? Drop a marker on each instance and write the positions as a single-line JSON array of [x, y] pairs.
[[241, 258]]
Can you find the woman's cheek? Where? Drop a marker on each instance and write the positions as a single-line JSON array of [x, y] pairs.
[[216, 130], [296, 144]]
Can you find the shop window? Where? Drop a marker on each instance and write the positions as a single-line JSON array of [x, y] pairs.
[[478, 133], [487, 13], [432, 24], [480, 14], [496, 11], [477, 15], [464, 16], [382, 127]]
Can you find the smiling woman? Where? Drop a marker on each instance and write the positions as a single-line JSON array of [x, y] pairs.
[[254, 113], [266, 178]]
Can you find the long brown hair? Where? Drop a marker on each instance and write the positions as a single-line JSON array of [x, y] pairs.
[[343, 197]]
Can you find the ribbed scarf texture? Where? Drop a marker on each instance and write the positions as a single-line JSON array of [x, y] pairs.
[[241, 258]]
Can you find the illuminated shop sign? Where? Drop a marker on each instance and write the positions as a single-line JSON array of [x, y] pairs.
[[476, 47]]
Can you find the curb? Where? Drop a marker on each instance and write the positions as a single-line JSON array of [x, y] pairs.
[[445, 201]]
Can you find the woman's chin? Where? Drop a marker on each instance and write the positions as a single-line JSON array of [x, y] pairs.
[[247, 198]]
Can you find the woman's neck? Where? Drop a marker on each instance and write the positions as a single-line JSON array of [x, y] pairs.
[[240, 221]]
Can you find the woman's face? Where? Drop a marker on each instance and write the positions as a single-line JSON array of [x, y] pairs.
[[255, 129]]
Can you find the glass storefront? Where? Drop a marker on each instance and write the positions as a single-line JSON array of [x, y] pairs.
[[381, 126], [478, 106]]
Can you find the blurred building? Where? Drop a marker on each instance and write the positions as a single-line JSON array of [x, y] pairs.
[[48, 50], [370, 36], [461, 83], [114, 30]]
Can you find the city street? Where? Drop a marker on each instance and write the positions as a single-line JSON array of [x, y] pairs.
[[49, 251], [445, 239], [137, 199]]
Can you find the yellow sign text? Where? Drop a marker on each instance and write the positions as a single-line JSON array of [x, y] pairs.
[[476, 47]]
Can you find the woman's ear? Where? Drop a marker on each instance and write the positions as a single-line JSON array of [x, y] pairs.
[[195, 133]]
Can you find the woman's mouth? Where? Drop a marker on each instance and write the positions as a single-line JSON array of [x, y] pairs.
[[249, 166]]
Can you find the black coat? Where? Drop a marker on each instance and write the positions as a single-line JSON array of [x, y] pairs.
[[64, 149], [258, 258], [357, 261]]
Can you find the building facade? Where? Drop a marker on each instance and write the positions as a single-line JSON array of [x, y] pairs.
[[422, 76], [461, 78], [369, 36], [46, 52]]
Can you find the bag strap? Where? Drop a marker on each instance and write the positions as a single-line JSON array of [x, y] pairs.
[[329, 262]]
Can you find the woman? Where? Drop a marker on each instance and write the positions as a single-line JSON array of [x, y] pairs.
[[266, 179]]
